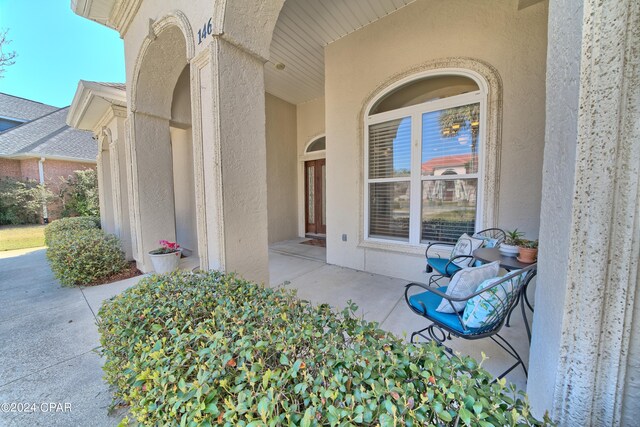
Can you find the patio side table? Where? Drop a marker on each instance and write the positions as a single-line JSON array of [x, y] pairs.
[[486, 255]]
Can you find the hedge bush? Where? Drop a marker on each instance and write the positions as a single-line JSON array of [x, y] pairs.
[[73, 225], [84, 256], [79, 194], [21, 201], [201, 349]]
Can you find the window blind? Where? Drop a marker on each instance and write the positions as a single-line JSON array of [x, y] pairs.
[[390, 149]]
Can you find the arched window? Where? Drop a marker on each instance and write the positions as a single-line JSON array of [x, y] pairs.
[[318, 144], [424, 139]]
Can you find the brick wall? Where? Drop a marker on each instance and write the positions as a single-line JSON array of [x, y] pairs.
[[54, 170], [10, 168], [29, 169]]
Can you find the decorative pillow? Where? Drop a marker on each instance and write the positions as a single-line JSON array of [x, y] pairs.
[[481, 310], [465, 282], [487, 242], [465, 246]]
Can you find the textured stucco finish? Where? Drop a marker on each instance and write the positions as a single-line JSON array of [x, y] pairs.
[[154, 172], [227, 88], [118, 129], [254, 34], [563, 86], [631, 393], [240, 100], [513, 42], [105, 186], [281, 169], [599, 223], [184, 189]]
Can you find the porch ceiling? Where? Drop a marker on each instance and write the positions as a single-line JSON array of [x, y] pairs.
[[304, 28]]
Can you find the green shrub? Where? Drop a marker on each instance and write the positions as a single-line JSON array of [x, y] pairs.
[[84, 256], [64, 225], [21, 201], [79, 194], [198, 349]]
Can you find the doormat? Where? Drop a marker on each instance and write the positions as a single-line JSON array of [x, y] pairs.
[[316, 242]]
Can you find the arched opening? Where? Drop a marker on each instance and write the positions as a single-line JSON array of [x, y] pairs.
[[419, 193], [182, 161], [162, 146]]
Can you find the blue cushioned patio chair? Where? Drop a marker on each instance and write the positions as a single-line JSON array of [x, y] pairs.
[[445, 268], [499, 297]]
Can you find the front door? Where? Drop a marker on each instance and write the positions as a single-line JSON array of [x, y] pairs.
[[315, 197]]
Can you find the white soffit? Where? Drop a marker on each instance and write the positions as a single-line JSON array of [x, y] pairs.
[[96, 10], [303, 29]]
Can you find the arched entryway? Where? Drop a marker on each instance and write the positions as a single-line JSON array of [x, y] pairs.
[[162, 145], [183, 165]]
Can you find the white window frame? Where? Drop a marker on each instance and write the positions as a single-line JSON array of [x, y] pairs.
[[416, 178]]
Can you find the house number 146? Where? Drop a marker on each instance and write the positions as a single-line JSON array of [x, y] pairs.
[[205, 31]]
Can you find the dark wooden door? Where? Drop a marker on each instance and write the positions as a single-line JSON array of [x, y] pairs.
[[315, 197]]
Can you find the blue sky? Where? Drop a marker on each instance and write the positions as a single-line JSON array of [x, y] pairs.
[[56, 48]]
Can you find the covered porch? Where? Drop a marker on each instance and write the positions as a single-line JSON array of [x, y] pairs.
[[544, 97], [296, 265]]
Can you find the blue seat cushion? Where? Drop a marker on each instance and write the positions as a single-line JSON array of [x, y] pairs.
[[431, 302], [439, 264]]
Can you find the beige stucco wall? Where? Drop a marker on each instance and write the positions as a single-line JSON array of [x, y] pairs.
[[310, 118], [310, 122], [281, 169], [113, 178], [196, 13], [512, 41]]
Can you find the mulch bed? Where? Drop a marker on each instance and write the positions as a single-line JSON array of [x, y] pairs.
[[129, 272]]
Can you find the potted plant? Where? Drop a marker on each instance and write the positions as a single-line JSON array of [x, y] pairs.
[[166, 258], [510, 245], [528, 251]]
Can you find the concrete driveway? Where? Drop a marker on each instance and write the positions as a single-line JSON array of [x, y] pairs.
[[50, 371]]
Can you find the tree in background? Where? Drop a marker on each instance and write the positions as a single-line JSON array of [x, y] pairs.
[[21, 201], [79, 194], [6, 58]]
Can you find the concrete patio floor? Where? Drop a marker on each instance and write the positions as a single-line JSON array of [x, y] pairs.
[[381, 299], [49, 338]]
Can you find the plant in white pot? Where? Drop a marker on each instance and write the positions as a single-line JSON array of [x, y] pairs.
[[510, 245], [166, 258]]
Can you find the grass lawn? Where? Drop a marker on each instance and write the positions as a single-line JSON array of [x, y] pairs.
[[21, 236]]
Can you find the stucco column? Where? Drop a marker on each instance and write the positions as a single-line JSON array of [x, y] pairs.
[[585, 347], [153, 210], [105, 194], [229, 126], [100, 176], [122, 170]]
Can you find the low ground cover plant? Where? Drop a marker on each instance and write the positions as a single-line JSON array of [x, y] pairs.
[[199, 349], [65, 225], [85, 256]]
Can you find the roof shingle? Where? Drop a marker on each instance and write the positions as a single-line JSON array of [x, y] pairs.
[[48, 136], [14, 107]]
